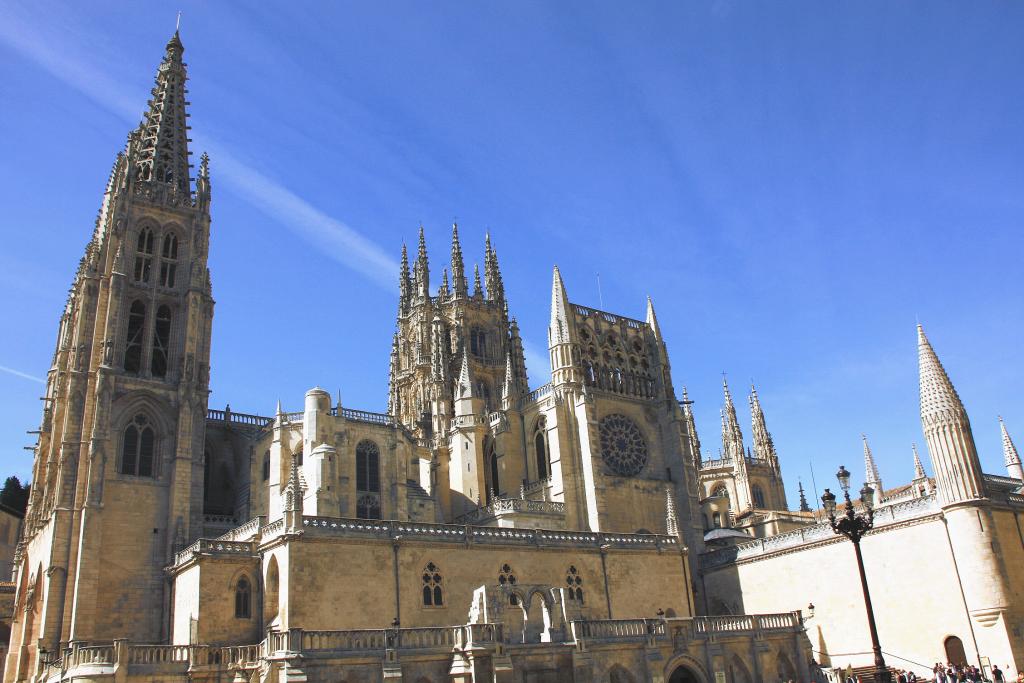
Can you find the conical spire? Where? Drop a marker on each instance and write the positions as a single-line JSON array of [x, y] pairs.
[[509, 387], [478, 290], [492, 274], [161, 143], [804, 507], [404, 285], [939, 399], [459, 286], [465, 388], [421, 271], [652, 320], [958, 474], [671, 519], [691, 429], [870, 469], [444, 292], [732, 436], [558, 331], [918, 467], [1010, 456]]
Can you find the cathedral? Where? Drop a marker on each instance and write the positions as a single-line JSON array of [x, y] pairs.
[[476, 531]]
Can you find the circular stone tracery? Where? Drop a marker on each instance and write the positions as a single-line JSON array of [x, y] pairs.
[[622, 445]]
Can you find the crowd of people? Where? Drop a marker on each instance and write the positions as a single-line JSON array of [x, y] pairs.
[[945, 673]]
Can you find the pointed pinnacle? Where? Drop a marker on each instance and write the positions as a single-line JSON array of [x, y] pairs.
[[938, 396], [1010, 455], [918, 467]]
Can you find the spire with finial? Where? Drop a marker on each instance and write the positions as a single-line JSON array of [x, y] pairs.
[[478, 290], [160, 151], [459, 286], [465, 386], [492, 274], [671, 519], [558, 331], [510, 386], [1010, 456], [871, 476], [404, 284], [947, 429], [691, 429], [804, 507], [732, 436], [443, 291], [421, 270], [764, 446]]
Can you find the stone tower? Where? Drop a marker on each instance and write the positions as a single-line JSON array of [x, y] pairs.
[[968, 512], [115, 477]]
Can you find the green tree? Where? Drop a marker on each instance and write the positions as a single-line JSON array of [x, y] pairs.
[[14, 495]]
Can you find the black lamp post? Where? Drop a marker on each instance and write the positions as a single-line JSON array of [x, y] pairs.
[[854, 526]]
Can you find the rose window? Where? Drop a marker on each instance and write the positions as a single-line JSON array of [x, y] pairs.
[[622, 445]]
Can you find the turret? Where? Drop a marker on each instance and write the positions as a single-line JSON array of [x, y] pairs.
[[947, 430], [404, 283], [922, 485], [492, 273], [562, 336], [1010, 456], [421, 271], [804, 507], [691, 429], [764, 446], [478, 290]]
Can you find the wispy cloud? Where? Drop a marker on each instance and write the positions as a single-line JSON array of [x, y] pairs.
[[538, 364], [73, 67], [23, 375]]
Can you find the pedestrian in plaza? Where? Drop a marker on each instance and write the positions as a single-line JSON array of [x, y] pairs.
[[997, 674]]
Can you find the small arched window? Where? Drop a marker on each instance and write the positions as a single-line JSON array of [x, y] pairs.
[[133, 345], [266, 466], [758, 495], [168, 260], [367, 467], [574, 584], [540, 442], [161, 342], [243, 599], [137, 447], [144, 255], [433, 594]]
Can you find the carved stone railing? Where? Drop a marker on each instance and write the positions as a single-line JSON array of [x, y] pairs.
[[466, 421], [617, 629], [456, 533], [166, 194], [501, 506], [244, 531], [238, 418], [206, 546], [586, 312], [536, 394], [885, 515], [1016, 498], [328, 643], [700, 627], [715, 463], [366, 416]]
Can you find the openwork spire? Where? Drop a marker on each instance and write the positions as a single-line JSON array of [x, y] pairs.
[[161, 142], [478, 289], [459, 285], [492, 274], [939, 400], [764, 446], [652, 320], [465, 388], [421, 271], [404, 284], [732, 436], [870, 469]]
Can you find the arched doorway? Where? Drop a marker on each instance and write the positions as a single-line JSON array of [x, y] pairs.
[[955, 653], [683, 675]]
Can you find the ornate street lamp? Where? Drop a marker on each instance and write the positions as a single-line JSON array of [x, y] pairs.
[[854, 526]]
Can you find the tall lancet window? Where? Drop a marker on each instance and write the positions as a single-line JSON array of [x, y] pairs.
[[161, 342], [137, 447], [169, 260], [144, 256], [368, 480], [133, 346], [540, 441]]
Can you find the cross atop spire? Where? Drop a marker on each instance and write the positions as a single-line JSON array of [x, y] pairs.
[[870, 469], [691, 428], [804, 507]]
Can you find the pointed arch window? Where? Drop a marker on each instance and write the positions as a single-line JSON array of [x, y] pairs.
[[367, 480], [433, 593], [144, 255], [243, 599], [758, 493], [266, 466], [540, 442], [138, 447], [493, 470], [133, 346], [161, 342], [168, 260]]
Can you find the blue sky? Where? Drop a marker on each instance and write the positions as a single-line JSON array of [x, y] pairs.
[[794, 184]]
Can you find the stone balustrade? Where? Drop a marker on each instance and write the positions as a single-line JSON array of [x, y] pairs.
[[206, 546], [702, 628], [360, 640], [536, 395], [457, 533], [500, 506]]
